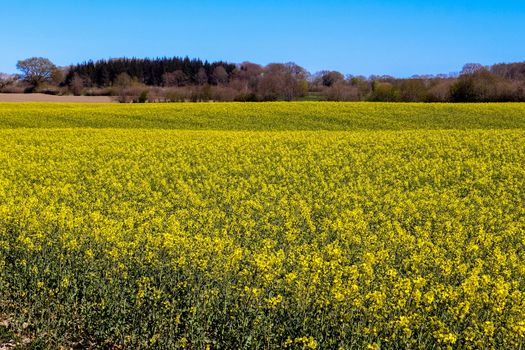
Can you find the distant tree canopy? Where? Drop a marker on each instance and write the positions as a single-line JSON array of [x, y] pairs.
[[499, 83], [185, 79], [153, 72]]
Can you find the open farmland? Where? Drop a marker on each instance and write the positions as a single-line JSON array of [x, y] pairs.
[[263, 226]]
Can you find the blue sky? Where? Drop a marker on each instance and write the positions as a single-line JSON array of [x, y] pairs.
[[400, 38]]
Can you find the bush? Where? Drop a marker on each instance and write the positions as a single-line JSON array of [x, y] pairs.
[[143, 97], [384, 92], [246, 97], [223, 93], [341, 91], [176, 95]]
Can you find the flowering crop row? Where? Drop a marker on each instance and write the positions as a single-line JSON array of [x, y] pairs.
[[150, 238], [265, 116]]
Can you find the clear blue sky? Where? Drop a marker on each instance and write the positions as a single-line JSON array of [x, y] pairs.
[[400, 38]]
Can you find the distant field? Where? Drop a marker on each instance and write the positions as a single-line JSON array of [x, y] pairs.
[[335, 116], [52, 98], [263, 226]]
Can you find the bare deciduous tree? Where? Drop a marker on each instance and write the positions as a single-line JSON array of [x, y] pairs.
[[201, 77], [246, 77], [6, 80], [471, 68], [219, 75], [278, 82], [297, 71], [36, 70], [123, 80], [331, 78], [176, 78], [76, 85]]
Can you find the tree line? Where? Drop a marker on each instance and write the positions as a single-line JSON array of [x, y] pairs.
[[185, 79]]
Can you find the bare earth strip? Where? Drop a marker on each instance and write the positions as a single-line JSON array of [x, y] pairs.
[[51, 98]]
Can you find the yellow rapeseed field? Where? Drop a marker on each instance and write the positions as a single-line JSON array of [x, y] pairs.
[[263, 226]]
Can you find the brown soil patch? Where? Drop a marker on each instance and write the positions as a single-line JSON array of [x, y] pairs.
[[52, 98]]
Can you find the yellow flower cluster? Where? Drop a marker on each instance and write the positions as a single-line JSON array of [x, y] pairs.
[[303, 239]]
